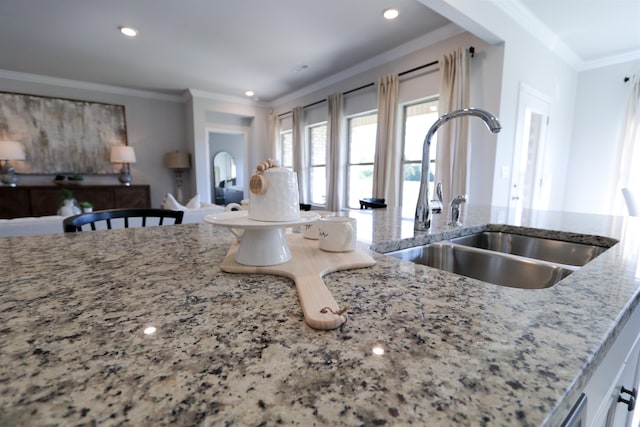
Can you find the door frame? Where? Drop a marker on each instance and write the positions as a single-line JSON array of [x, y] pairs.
[[530, 99]]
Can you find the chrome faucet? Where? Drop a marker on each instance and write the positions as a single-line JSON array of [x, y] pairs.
[[423, 213], [454, 211]]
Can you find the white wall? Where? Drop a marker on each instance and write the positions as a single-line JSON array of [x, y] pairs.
[[600, 107], [526, 60], [155, 125]]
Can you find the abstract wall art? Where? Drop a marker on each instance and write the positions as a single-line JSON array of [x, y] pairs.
[[62, 136]]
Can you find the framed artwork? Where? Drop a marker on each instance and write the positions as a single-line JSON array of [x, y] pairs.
[[62, 136]]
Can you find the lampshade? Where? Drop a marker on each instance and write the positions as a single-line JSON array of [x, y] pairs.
[[11, 150], [123, 154], [177, 160]]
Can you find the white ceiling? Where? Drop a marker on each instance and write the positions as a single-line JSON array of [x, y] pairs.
[[228, 47], [599, 32]]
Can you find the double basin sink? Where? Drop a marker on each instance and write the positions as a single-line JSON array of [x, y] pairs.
[[508, 258]]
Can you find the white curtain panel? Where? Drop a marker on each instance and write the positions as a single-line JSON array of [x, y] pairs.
[[336, 158], [274, 136], [629, 151], [453, 136], [300, 164], [387, 160]]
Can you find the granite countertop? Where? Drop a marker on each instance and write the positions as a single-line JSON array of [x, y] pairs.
[[233, 349]]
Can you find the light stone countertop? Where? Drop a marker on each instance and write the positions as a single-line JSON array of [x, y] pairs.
[[233, 349]]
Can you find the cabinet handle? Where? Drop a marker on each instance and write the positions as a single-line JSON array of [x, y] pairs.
[[631, 402]]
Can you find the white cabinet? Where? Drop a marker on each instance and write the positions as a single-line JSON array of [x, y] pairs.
[[618, 369], [618, 414]]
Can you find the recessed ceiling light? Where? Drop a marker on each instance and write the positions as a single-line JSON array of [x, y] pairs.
[[249, 93], [390, 14], [128, 31]]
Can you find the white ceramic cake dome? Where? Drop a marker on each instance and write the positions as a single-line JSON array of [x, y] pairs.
[[274, 194]]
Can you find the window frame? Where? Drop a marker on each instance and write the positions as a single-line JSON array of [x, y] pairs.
[[404, 162], [281, 142], [348, 163], [309, 142]]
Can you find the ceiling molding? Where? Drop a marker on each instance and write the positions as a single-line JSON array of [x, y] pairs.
[[77, 84], [443, 33], [611, 60], [196, 93], [534, 26]]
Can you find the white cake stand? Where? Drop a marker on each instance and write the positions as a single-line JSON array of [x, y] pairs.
[[263, 243]]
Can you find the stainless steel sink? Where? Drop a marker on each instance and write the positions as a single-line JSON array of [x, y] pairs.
[[557, 251], [489, 266]]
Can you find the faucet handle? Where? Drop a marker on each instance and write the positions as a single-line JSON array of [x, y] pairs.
[[454, 212], [460, 198]]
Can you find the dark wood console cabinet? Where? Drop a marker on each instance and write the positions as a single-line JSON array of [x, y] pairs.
[[39, 200]]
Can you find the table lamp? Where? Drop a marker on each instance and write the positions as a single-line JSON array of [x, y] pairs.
[[10, 150], [177, 161], [125, 155]]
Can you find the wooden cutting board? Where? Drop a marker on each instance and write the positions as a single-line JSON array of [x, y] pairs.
[[307, 267]]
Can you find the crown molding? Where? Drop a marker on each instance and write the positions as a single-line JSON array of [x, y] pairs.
[[530, 23], [611, 60], [443, 33], [77, 84], [190, 94]]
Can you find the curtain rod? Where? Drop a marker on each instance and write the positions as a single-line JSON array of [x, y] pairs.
[[472, 51]]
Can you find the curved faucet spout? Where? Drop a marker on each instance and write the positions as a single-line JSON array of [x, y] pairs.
[[423, 213]]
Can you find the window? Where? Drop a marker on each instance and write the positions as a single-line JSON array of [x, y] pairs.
[[318, 163], [286, 149], [418, 118], [362, 146]]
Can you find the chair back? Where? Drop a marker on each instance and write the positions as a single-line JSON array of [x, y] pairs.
[[75, 223], [632, 202]]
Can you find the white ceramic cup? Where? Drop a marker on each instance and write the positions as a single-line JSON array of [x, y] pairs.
[[337, 234], [235, 207], [312, 229]]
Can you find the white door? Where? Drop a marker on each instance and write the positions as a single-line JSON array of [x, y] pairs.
[[529, 182]]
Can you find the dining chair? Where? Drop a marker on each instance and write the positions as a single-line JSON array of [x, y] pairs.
[[632, 202], [104, 218], [372, 203]]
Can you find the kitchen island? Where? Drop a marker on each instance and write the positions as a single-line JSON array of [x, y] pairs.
[[421, 346]]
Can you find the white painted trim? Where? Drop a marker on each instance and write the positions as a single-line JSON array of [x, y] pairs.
[[77, 84], [196, 93], [611, 60], [242, 131], [443, 33], [530, 23]]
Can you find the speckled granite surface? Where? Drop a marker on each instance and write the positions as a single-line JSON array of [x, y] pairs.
[[233, 349]]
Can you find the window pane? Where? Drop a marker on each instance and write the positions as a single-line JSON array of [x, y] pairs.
[[362, 138], [286, 147], [318, 144], [418, 119], [360, 184], [411, 173], [318, 185], [362, 147], [317, 159]]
